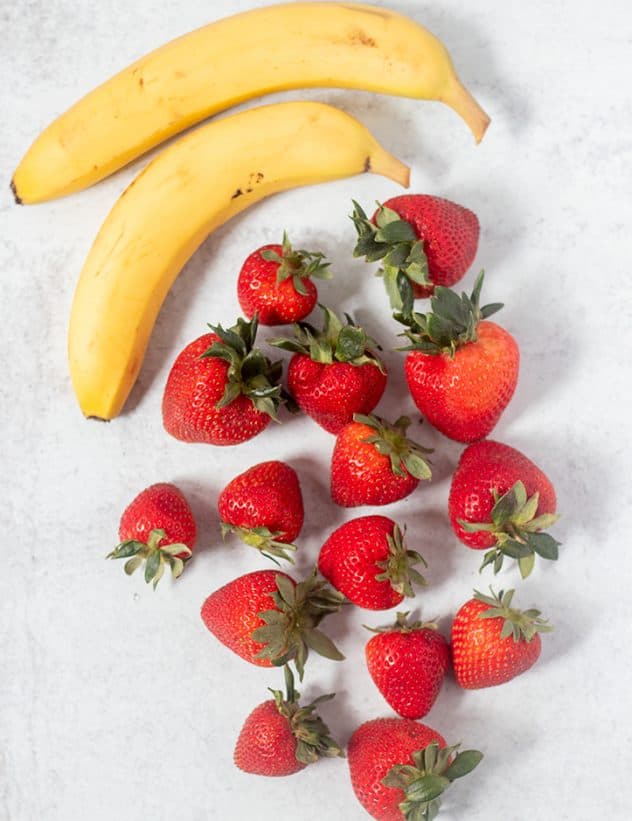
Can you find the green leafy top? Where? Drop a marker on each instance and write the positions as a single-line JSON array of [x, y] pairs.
[[452, 323], [250, 372], [424, 782], [153, 554], [521, 624], [297, 265], [406, 456], [398, 568], [335, 342], [403, 625], [263, 539]]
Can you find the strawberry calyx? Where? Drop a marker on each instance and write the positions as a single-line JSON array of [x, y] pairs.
[[522, 625], [335, 342], [433, 771], [291, 628], [262, 539], [154, 554], [310, 731], [403, 625], [250, 372], [452, 323], [297, 265], [398, 568], [406, 456], [517, 530]]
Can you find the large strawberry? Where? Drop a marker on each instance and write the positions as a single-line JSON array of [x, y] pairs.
[[399, 768], [421, 240], [221, 389], [268, 619], [334, 372], [368, 561], [408, 662], [374, 462], [157, 528], [264, 507], [281, 738], [493, 642], [274, 283], [461, 370], [500, 499]]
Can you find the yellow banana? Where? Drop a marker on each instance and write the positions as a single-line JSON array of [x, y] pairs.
[[294, 45], [192, 187]]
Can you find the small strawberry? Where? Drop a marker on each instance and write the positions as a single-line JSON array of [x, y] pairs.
[[335, 372], [280, 737], [400, 768], [408, 662], [493, 642], [500, 499], [221, 389], [268, 619], [422, 241], [274, 283], [461, 370], [264, 507], [374, 463], [368, 561], [157, 528]]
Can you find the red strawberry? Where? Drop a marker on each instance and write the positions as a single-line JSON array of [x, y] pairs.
[[264, 507], [374, 463], [422, 241], [499, 499], [408, 662], [280, 737], [334, 373], [461, 370], [399, 768], [268, 619], [157, 527], [274, 283], [493, 642], [221, 389], [368, 561]]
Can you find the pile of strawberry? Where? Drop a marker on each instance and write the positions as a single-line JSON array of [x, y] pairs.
[[461, 371]]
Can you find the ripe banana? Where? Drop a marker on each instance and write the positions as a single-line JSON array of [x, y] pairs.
[[294, 45], [192, 187]]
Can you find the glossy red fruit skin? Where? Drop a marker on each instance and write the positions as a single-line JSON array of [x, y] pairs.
[[480, 657], [265, 495], [450, 233], [464, 397], [374, 748], [266, 743], [348, 561], [258, 292], [408, 668], [232, 612], [194, 387], [159, 507], [362, 476], [483, 467], [332, 393]]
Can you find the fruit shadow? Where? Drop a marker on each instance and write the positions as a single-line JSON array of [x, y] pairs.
[[203, 502]]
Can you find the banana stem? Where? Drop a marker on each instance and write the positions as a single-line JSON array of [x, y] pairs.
[[384, 163], [460, 100]]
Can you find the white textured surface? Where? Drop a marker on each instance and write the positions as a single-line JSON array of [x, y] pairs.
[[115, 701]]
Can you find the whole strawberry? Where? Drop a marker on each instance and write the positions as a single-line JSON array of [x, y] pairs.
[[268, 619], [399, 768], [461, 370], [264, 507], [221, 389], [421, 240], [493, 642], [334, 372], [274, 283], [374, 463], [281, 738], [408, 662], [157, 528], [368, 561], [500, 499]]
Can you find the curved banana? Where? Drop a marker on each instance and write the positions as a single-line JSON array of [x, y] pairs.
[[191, 188], [294, 45]]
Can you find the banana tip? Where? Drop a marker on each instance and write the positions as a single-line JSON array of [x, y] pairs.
[[14, 191]]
